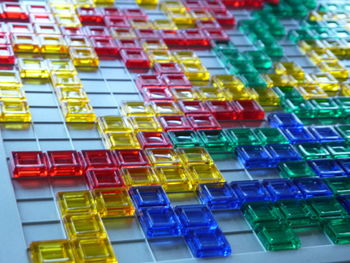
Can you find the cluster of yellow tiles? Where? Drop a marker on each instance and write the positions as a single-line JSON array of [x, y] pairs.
[[82, 213], [13, 103], [179, 15]]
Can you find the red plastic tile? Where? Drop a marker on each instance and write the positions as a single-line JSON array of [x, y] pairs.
[[224, 18], [90, 16], [176, 80], [14, 11], [38, 8], [214, 5], [149, 81], [222, 110], [203, 122], [193, 4], [97, 31], [112, 12], [195, 37], [61, 163], [99, 159], [153, 94], [7, 56], [167, 68], [111, 21], [153, 139], [193, 107], [147, 34], [130, 44], [175, 123], [249, 110], [216, 34], [72, 31], [131, 157], [41, 19], [104, 46], [173, 37], [208, 24], [133, 13], [104, 178], [25, 28], [29, 164], [135, 58]]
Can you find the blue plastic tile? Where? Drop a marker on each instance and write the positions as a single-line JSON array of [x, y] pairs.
[[250, 191], [345, 164], [195, 216], [325, 134], [204, 243], [218, 196], [326, 167], [146, 196], [280, 189], [298, 135], [283, 120], [255, 156], [283, 152], [345, 201], [159, 222], [313, 187]]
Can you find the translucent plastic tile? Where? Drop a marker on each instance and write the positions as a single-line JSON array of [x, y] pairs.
[[185, 138], [215, 141], [84, 226], [200, 173], [138, 176], [270, 136], [299, 135], [262, 213], [195, 155], [280, 189], [77, 202], [159, 222], [313, 151], [29, 164], [326, 168], [313, 187], [94, 250], [131, 108], [78, 111], [283, 120], [144, 123], [64, 163], [174, 178], [113, 202], [242, 136], [33, 68], [99, 159], [153, 139], [255, 156], [327, 208], [204, 243], [84, 57], [325, 133], [338, 230], [163, 156], [104, 178], [339, 185], [53, 250], [250, 191], [338, 149], [148, 196]]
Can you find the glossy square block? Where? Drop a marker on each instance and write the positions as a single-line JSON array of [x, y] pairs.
[[327, 208], [295, 169], [185, 138], [121, 140], [148, 196], [326, 168], [174, 122], [282, 189], [99, 159], [53, 250], [203, 122], [195, 155], [250, 191], [215, 141], [104, 178], [159, 222], [312, 187], [200, 173], [284, 120], [193, 107], [131, 157], [338, 230], [174, 178], [283, 152], [218, 196], [139, 176], [84, 226], [338, 149], [153, 139], [29, 164], [78, 111], [144, 123], [249, 110], [163, 156], [261, 214], [76, 202], [299, 135], [313, 151], [339, 185], [65, 163], [255, 156], [205, 243], [270, 136], [242, 136], [325, 134]]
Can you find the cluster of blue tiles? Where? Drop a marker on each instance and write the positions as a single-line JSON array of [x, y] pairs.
[[195, 223]]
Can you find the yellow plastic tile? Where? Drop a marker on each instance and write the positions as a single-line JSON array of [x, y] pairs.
[[15, 111], [82, 226], [163, 156], [186, 56], [12, 94], [326, 81], [51, 251], [164, 24], [83, 3], [227, 81], [312, 92], [289, 68], [160, 56], [113, 124], [141, 24], [181, 18], [200, 173], [268, 97], [123, 33], [10, 79], [195, 71], [25, 43], [76, 202], [201, 15], [317, 56], [211, 93], [185, 94], [174, 178], [62, 9], [138, 176], [52, 44], [153, 44], [84, 57], [339, 47], [312, 44], [71, 94], [165, 108], [345, 89], [244, 94], [113, 202], [171, 5], [33, 68], [93, 250], [147, 2], [69, 81], [69, 20], [78, 111], [145, 123], [136, 108], [121, 140], [195, 155], [335, 68], [62, 67], [283, 80]]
